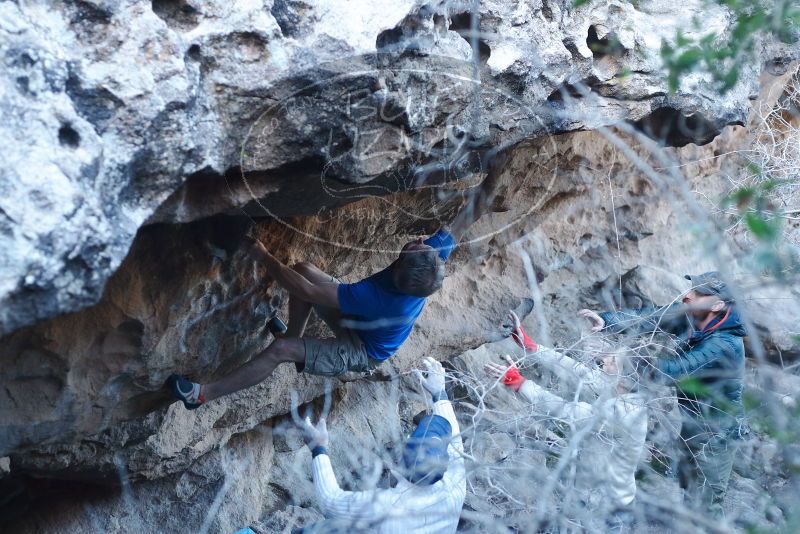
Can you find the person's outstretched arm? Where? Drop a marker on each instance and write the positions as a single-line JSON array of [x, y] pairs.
[[572, 371], [544, 401], [668, 318], [565, 368], [337, 503], [443, 241], [716, 355], [454, 480], [334, 502], [454, 477], [474, 208], [480, 198], [294, 282]]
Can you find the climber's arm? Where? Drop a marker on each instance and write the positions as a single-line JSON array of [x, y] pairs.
[[554, 406], [294, 282], [544, 401], [471, 211], [560, 364], [568, 369], [443, 242], [463, 220], [337, 503], [714, 355], [669, 318], [479, 199]]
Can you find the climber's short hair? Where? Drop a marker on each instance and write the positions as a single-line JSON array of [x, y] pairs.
[[419, 272]]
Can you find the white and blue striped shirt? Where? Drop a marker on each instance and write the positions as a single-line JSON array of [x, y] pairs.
[[406, 507]]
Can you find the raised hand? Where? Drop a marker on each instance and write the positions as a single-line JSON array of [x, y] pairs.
[[509, 373], [518, 334], [433, 379], [255, 249], [514, 321], [315, 436], [597, 322]]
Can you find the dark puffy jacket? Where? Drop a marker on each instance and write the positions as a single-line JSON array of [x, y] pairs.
[[709, 366]]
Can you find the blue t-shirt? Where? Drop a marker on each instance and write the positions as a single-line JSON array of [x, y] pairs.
[[381, 316]]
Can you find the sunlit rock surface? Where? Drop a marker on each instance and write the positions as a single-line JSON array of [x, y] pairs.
[[141, 137], [110, 107]]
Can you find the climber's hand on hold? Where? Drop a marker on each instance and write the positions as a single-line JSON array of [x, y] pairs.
[[597, 322], [511, 324], [519, 336], [509, 373], [255, 249], [315, 436], [433, 379]]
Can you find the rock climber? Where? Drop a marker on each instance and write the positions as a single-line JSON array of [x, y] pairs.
[[431, 484], [608, 455], [708, 372], [370, 319]]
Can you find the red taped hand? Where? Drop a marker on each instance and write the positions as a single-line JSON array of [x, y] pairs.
[[513, 379], [523, 340]]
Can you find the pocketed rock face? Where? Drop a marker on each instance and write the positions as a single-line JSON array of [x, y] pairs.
[[237, 471], [110, 107], [129, 119], [85, 398], [264, 469]]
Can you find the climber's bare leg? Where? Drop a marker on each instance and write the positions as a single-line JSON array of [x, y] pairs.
[[299, 309], [258, 369]]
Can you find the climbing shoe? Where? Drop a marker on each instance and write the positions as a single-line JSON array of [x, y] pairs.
[[272, 322], [186, 391]]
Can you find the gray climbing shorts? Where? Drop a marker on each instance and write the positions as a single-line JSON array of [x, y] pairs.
[[337, 355]]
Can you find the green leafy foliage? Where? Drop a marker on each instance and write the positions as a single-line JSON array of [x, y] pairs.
[[751, 400], [659, 461], [781, 434], [693, 386], [725, 56], [764, 221], [763, 228], [756, 208]]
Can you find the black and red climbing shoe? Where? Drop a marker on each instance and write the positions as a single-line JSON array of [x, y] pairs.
[[186, 391]]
